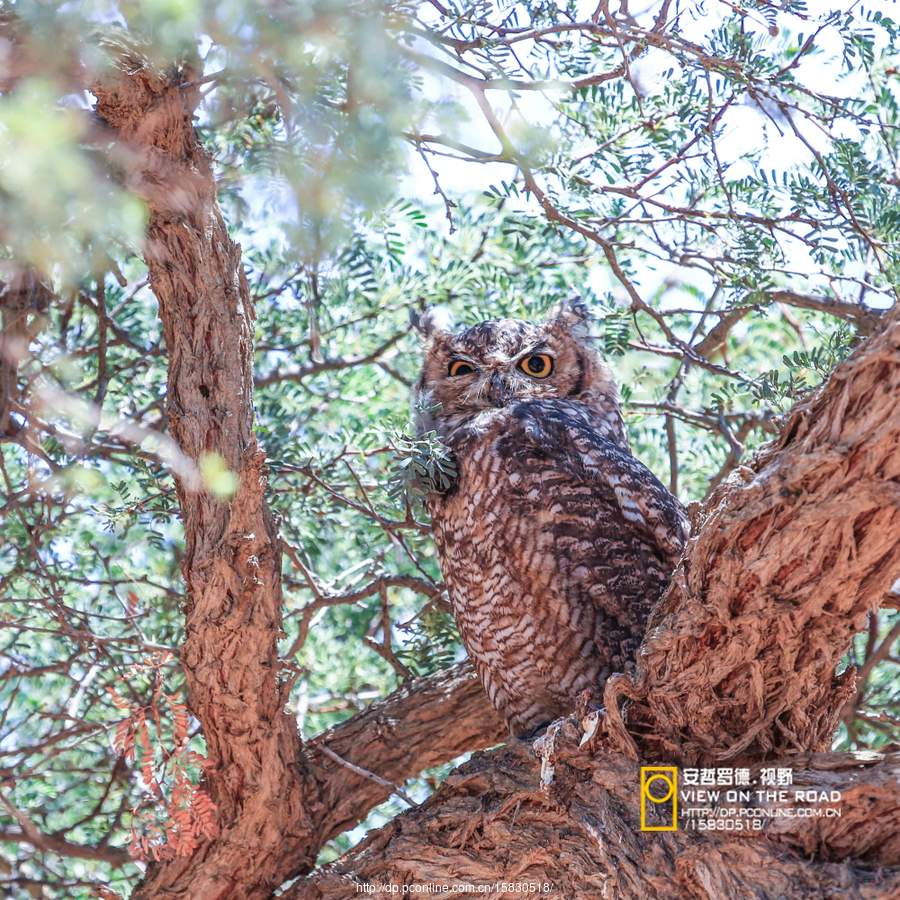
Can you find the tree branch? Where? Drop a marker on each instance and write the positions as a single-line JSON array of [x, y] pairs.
[[785, 561], [427, 722], [866, 318], [29, 833], [298, 373], [495, 821]]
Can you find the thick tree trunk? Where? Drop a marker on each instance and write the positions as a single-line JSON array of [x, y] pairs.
[[278, 803], [232, 564], [784, 562]]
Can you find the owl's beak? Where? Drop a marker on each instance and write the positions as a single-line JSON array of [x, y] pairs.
[[498, 392]]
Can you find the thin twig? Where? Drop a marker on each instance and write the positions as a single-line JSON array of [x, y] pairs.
[[365, 773]]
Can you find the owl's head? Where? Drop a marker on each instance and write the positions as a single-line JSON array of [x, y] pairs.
[[499, 362]]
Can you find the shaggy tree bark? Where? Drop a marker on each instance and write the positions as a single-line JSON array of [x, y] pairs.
[[493, 822], [278, 801], [232, 561], [784, 562]]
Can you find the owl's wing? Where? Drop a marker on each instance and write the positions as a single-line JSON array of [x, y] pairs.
[[582, 456], [581, 541]]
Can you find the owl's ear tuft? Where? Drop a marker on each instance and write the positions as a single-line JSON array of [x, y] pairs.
[[435, 319], [572, 312]]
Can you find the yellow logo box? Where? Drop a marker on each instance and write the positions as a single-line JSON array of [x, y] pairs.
[[659, 793]]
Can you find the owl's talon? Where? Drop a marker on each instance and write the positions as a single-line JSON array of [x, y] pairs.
[[528, 736]]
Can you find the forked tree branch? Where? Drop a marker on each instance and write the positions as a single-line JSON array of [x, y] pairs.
[[784, 563]]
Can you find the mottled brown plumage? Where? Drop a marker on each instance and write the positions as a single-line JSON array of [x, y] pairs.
[[554, 540]]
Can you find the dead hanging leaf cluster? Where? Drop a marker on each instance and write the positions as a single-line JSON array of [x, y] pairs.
[[178, 813]]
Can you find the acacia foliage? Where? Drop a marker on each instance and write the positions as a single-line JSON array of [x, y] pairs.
[[604, 153]]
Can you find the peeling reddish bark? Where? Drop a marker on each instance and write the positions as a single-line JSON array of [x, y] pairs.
[[278, 802], [492, 821], [784, 563], [232, 564]]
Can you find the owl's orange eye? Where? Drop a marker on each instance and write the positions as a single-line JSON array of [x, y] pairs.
[[460, 367], [538, 366]]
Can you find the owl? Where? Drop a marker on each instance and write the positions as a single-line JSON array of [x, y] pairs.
[[554, 541]]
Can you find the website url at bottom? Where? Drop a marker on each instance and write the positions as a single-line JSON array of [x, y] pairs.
[[507, 887]]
